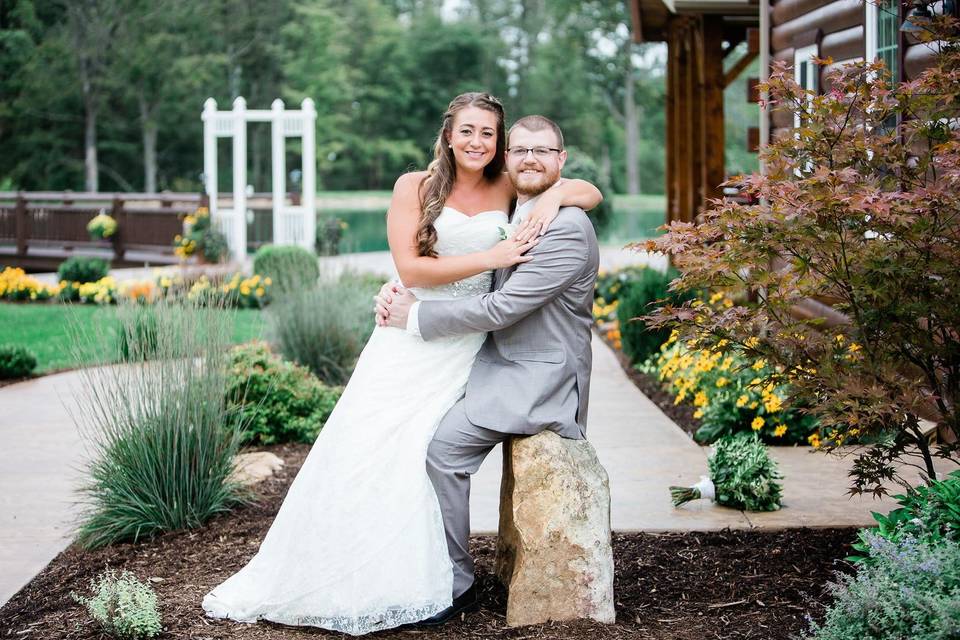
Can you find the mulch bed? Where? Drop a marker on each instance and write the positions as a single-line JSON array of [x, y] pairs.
[[690, 586]]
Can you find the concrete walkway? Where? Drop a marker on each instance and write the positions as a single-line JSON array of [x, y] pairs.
[[643, 451]]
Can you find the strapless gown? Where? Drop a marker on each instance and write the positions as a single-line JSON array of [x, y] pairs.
[[358, 544]]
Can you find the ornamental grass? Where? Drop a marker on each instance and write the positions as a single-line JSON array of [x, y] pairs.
[[159, 436]]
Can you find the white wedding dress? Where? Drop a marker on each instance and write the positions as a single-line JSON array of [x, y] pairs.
[[358, 544]]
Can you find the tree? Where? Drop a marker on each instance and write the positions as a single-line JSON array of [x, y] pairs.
[[859, 209]]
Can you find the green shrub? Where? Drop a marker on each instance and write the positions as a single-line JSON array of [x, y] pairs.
[[908, 590], [929, 513], [16, 361], [83, 269], [325, 328], [291, 268], [161, 437], [582, 166], [638, 297], [125, 607], [277, 401]]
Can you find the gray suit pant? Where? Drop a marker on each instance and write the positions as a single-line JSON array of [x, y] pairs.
[[455, 453]]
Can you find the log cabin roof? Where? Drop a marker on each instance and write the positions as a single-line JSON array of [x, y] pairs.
[[649, 17]]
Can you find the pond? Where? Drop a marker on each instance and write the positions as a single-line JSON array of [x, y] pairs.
[[634, 218]]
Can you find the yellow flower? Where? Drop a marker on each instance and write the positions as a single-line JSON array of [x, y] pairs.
[[757, 423], [780, 430], [716, 297], [814, 440], [267, 281], [754, 404], [742, 400], [700, 400], [698, 413], [727, 302], [772, 403], [260, 292], [854, 347], [752, 342], [759, 364], [839, 339]]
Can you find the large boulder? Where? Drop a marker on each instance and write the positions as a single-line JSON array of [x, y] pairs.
[[553, 549]]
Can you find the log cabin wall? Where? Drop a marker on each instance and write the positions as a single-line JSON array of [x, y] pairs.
[[837, 28]]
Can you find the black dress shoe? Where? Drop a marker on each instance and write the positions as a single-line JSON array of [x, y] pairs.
[[464, 603]]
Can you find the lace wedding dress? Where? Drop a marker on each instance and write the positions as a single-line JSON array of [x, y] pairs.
[[358, 544]]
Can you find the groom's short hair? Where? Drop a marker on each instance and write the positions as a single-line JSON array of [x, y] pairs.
[[537, 123]]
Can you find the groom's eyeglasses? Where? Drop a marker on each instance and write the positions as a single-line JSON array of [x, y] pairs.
[[541, 153]]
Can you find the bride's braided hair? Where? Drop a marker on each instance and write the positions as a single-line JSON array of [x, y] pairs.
[[441, 172]]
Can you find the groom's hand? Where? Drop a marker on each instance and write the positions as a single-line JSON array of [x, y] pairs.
[[383, 299], [399, 308]]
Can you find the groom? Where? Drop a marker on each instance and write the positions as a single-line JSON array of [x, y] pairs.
[[533, 372]]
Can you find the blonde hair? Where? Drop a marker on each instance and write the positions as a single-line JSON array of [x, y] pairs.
[[442, 170]]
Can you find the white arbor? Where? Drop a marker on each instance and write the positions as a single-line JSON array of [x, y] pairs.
[[292, 224]]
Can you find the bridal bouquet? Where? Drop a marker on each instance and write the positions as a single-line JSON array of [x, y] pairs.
[[742, 476]]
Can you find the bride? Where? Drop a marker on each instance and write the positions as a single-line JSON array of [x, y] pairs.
[[358, 544]]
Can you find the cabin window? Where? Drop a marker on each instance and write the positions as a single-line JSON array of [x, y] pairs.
[[806, 73], [882, 22]]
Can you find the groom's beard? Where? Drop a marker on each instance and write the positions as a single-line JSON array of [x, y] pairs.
[[537, 180]]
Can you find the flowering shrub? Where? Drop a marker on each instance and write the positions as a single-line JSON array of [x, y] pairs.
[[16, 285], [101, 226], [200, 237], [236, 291], [907, 590], [125, 607], [103, 291], [622, 295], [732, 393], [860, 209], [277, 400]]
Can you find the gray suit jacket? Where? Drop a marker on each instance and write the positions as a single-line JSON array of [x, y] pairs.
[[533, 371]]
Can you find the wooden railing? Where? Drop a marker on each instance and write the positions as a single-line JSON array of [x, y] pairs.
[[39, 229]]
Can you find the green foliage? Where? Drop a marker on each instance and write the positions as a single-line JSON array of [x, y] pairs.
[[580, 165], [908, 589], [930, 514], [860, 208], [138, 332], [276, 401], [326, 327], [744, 475], [161, 437], [290, 268], [125, 607], [16, 361], [83, 269], [641, 295]]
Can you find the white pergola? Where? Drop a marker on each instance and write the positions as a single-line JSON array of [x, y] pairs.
[[291, 224]]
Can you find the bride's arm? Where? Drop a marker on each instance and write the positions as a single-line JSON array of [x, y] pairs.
[[403, 220], [564, 193]]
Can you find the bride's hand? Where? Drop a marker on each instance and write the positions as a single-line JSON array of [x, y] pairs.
[[544, 210], [382, 301], [509, 252]]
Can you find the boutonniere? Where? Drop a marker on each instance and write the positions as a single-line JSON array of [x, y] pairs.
[[507, 231]]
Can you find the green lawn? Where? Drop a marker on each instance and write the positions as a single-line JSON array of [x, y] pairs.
[[45, 329]]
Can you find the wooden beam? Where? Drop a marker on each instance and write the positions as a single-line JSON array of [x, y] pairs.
[[738, 68], [753, 90], [712, 165]]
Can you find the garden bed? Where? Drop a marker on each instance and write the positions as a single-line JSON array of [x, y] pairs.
[[683, 586]]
